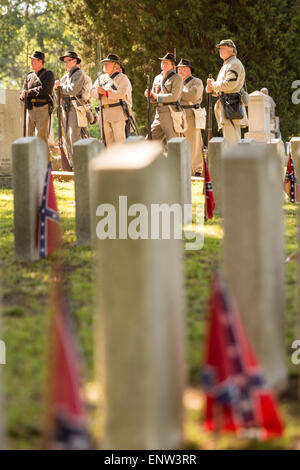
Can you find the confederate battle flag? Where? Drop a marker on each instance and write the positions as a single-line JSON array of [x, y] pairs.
[[209, 193], [48, 222], [237, 396], [66, 415], [290, 182]]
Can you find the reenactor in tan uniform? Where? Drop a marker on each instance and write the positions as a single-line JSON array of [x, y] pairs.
[[38, 87], [166, 93], [231, 79], [191, 98], [73, 85], [115, 91]]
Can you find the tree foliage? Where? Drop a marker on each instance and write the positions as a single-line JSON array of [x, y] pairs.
[[140, 31], [38, 24]]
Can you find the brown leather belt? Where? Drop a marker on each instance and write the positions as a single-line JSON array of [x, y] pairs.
[[39, 100], [113, 105], [191, 106], [173, 103]]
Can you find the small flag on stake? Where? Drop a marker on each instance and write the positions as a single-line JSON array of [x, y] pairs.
[[237, 396], [66, 424], [290, 182], [48, 221], [209, 193]]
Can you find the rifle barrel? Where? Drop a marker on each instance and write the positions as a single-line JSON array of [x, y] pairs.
[[149, 109]]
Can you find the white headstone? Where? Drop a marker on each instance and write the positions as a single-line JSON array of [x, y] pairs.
[[10, 130], [139, 309], [254, 251], [259, 117]]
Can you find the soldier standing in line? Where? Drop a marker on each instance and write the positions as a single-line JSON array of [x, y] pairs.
[[38, 88], [114, 87], [73, 85], [191, 98], [231, 79], [166, 92]]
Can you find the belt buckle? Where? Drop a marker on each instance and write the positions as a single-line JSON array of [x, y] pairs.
[[105, 106], [160, 104]]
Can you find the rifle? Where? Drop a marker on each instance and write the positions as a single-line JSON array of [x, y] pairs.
[[25, 98], [102, 133], [65, 165], [149, 108], [209, 117]]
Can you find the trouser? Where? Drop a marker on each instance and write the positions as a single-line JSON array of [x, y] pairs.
[[232, 133], [162, 126], [38, 123], [114, 132], [72, 132], [195, 139]]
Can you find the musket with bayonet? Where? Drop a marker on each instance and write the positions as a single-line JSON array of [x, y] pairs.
[[102, 133], [209, 118], [149, 108], [65, 165], [25, 98]]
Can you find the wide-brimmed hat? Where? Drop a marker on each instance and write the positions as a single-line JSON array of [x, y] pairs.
[[185, 63], [227, 42], [169, 56], [112, 58], [38, 55], [72, 55]]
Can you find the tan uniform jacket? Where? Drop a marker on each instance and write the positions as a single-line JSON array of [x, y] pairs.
[[192, 93], [73, 82], [121, 91], [231, 79], [168, 90]]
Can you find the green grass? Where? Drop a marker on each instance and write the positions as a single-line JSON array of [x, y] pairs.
[[25, 289]]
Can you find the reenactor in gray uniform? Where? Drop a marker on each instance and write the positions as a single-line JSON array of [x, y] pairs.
[[38, 87], [231, 79], [191, 98], [114, 89], [166, 93], [74, 85]]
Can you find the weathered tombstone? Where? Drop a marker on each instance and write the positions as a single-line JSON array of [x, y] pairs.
[[139, 314], [135, 138], [259, 117], [279, 150], [10, 130], [216, 148], [179, 151], [254, 250], [29, 171], [83, 152]]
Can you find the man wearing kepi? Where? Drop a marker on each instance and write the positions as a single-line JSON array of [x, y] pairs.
[[227, 87], [191, 98], [38, 88], [166, 91], [114, 89], [73, 85]]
